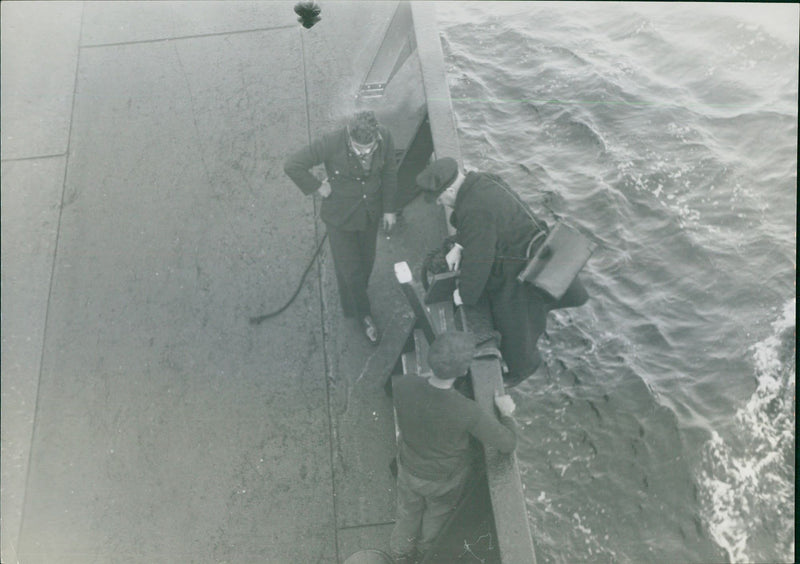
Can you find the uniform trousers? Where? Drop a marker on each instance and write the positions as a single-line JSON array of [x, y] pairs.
[[423, 507], [353, 257]]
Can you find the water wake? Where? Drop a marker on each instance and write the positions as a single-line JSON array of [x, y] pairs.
[[748, 476]]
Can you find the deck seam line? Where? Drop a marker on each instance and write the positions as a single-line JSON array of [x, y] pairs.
[[50, 288], [183, 37], [33, 157], [323, 310], [365, 525]]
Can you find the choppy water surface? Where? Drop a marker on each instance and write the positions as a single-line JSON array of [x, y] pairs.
[[663, 428]]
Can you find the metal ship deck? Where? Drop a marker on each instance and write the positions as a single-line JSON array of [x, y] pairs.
[[145, 218]]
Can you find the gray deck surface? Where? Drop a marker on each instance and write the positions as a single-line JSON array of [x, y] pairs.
[[145, 217]]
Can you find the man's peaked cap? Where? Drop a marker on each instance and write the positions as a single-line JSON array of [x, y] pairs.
[[437, 177]]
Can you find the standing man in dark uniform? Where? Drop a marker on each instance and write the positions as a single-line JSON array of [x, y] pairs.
[[494, 230], [359, 191]]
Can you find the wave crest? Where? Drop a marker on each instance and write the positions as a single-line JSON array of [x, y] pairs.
[[748, 475]]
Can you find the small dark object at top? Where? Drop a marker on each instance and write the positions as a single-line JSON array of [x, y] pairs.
[[308, 12]]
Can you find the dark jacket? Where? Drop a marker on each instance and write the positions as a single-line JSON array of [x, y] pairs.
[[435, 426], [494, 229], [357, 195]]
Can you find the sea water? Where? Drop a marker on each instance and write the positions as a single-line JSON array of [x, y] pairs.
[[662, 428]]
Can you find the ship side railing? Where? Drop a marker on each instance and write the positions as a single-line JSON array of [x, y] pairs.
[[514, 538]]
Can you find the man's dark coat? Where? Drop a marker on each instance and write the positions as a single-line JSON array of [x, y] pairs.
[[358, 199], [358, 196], [495, 230]]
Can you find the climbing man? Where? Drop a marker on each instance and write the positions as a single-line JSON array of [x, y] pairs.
[[494, 232], [433, 461]]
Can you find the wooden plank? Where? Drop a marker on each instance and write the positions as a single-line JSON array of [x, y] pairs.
[[421, 348], [502, 471], [442, 316], [406, 280]]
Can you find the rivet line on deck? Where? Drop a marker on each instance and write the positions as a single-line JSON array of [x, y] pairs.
[[184, 37], [323, 316], [52, 275]]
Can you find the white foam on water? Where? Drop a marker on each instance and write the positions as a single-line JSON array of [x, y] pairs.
[[747, 482]]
